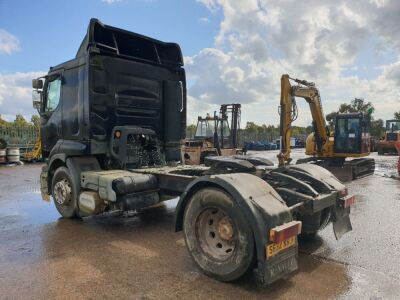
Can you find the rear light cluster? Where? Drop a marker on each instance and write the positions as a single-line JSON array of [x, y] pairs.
[[343, 192], [285, 231], [347, 201]]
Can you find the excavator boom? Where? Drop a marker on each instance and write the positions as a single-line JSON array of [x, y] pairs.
[[324, 149], [288, 113]]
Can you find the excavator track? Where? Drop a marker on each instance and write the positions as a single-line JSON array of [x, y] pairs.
[[362, 167], [350, 170]]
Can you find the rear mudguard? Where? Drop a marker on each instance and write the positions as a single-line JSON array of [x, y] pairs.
[[264, 210], [340, 217]]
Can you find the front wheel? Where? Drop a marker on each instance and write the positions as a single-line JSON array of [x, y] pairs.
[[217, 235], [64, 193]]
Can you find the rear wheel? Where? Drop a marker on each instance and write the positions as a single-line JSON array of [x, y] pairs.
[[218, 235], [64, 193]]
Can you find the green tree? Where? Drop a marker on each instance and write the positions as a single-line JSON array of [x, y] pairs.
[[358, 105], [2, 121], [396, 115], [190, 131], [35, 120], [331, 117], [20, 120], [377, 129], [251, 127]]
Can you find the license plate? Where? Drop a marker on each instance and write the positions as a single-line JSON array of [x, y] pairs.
[[273, 249]]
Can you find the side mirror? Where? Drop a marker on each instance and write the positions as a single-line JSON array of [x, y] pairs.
[[37, 103], [37, 84]]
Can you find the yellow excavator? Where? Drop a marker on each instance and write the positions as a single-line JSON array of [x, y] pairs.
[[351, 138]]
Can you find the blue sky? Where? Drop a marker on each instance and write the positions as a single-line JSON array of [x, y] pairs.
[[49, 32], [235, 50]]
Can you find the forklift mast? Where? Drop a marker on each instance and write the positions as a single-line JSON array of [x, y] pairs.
[[234, 110]]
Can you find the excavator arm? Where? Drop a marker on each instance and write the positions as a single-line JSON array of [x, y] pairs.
[[288, 113]]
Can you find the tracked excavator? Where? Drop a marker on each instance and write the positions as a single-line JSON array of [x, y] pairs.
[[327, 149]]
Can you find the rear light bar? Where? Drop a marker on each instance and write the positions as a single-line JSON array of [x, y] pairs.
[[348, 201], [285, 231], [343, 192]]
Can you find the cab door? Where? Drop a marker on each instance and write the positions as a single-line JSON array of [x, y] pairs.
[[51, 114], [348, 134]]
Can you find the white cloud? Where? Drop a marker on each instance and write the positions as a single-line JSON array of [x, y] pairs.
[[8, 42], [16, 94], [258, 40], [204, 20], [110, 1]]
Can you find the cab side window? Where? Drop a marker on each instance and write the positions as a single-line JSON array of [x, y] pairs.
[[53, 95]]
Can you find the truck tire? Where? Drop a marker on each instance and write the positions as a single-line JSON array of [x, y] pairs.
[[64, 193], [217, 235]]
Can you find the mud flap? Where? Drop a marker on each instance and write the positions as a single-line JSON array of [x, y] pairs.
[[280, 266], [341, 221]]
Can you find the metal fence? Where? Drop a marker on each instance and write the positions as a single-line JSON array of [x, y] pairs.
[[245, 136], [19, 136]]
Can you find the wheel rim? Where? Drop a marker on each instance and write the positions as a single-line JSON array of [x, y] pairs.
[[63, 192], [216, 234]]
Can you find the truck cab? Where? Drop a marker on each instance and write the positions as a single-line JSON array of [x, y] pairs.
[[117, 78]]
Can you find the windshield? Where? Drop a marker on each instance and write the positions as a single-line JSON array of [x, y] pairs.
[[393, 125], [348, 135], [205, 128]]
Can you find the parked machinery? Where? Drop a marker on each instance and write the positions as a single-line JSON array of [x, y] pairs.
[[214, 136], [350, 140], [392, 136], [112, 120], [26, 138]]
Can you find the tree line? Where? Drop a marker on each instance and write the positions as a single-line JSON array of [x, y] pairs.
[[20, 121], [253, 131]]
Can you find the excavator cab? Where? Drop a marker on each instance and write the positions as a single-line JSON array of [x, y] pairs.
[[392, 136], [352, 134]]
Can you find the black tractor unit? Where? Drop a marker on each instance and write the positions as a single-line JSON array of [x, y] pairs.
[[113, 119]]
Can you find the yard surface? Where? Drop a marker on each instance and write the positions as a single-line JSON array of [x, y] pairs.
[[139, 256]]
